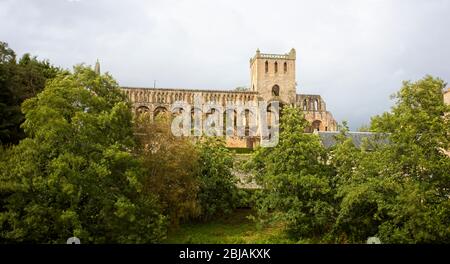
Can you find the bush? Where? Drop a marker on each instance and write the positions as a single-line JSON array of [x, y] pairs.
[[296, 179], [171, 167], [218, 193]]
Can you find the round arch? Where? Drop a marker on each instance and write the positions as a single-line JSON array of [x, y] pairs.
[[142, 109], [159, 110], [276, 90], [316, 124]]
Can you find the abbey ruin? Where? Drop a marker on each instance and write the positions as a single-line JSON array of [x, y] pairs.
[[272, 79]]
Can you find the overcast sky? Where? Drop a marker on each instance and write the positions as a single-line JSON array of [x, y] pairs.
[[354, 53]]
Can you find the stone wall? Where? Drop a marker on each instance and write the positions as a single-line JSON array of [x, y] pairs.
[[316, 113], [447, 96]]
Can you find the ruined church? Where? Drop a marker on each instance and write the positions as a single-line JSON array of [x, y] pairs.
[[272, 78]]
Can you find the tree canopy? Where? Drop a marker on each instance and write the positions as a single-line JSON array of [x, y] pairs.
[[19, 80], [397, 191], [296, 178], [74, 175]]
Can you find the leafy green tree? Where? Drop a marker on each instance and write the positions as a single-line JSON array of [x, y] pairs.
[[171, 167], [18, 82], [10, 114], [75, 174], [398, 191], [296, 179], [33, 74], [218, 194], [364, 181], [419, 132]]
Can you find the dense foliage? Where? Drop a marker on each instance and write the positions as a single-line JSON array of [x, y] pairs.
[[74, 174], [19, 80], [193, 180], [398, 191], [218, 193], [171, 167], [83, 167], [296, 178]]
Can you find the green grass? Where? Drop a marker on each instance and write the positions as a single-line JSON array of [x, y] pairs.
[[233, 229]]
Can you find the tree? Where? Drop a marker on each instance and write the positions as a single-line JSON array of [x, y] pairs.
[[364, 181], [398, 191], [296, 179], [10, 114], [18, 82], [419, 130], [33, 74], [171, 167], [75, 174], [241, 89], [218, 193]]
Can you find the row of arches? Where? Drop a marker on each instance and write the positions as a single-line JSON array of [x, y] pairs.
[[275, 67], [169, 97], [231, 121], [311, 104]]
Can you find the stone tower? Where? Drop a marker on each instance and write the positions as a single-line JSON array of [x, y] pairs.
[[273, 76]]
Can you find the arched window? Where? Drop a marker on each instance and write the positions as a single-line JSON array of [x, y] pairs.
[[235, 122], [192, 119], [247, 122], [276, 90], [159, 110], [285, 67], [224, 123], [316, 125], [316, 105], [305, 105], [196, 123], [230, 122], [212, 123], [142, 109], [267, 66], [269, 116], [276, 67]]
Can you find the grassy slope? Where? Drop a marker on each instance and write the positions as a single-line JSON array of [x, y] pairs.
[[233, 229]]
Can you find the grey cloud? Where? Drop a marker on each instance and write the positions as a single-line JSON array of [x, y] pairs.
[[354, 53]]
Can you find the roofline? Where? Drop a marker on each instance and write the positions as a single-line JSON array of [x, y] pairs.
[[190, 90]]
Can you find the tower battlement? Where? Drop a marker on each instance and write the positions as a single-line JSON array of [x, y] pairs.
[[287, 56]]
